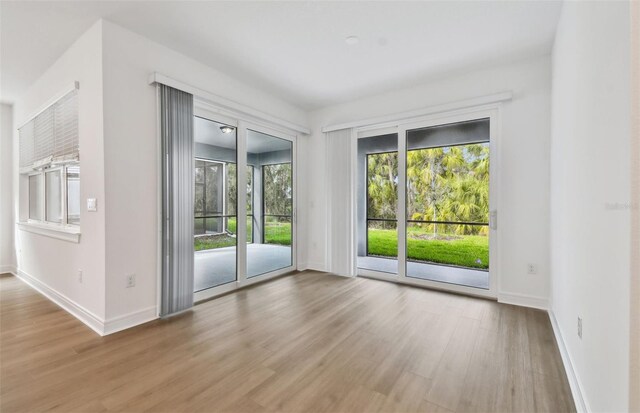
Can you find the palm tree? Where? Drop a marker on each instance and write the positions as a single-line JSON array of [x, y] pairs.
[[383, 186], [443, 184]]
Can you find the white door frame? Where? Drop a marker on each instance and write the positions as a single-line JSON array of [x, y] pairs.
[[242, 125], [492, 112]]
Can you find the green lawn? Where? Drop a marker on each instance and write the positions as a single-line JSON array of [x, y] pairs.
[[209, 242], [232, 227], [275, 233], [465, 251]]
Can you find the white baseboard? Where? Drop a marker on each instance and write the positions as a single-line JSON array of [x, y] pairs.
[[523, 300], [123, 322], [8, 269], [96, 323], [574, 382], [87, 317]]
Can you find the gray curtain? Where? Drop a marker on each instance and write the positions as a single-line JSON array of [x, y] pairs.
[[176, 126]]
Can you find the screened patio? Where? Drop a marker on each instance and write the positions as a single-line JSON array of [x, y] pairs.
[[269, 204]]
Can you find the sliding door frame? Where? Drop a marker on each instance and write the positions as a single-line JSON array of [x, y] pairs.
[[292, 139], [242, 125], [491, 112]]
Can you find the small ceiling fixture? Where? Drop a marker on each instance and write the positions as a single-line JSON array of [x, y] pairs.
[[352, 40], [226, 129]]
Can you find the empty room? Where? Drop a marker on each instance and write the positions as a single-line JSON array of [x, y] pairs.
[[319, 206]]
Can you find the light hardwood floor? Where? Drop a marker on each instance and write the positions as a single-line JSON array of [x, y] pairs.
[[307, 342]]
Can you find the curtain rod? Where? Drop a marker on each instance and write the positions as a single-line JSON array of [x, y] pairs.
[[397, 117], [226, 103]]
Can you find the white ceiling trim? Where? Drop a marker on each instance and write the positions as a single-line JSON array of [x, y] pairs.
[[446, 107], [226, 103]]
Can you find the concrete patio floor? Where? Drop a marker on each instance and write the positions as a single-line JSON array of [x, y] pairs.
[[218, 266], [432, 272]]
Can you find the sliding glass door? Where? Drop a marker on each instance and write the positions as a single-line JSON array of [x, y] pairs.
[[230, 155], [423, 203], [272, 203]]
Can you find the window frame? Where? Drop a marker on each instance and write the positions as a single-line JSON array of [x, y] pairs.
[[63, 180], [29, 200], [223, 215], [65, 186], [63, 225]]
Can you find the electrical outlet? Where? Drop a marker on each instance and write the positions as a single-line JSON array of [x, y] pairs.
[[80, 276], [532, 269], [580, 327], [131, 280]]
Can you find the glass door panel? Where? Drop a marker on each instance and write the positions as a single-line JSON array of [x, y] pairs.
[[377, 203], [215, 212], [269, 203], [447, 196]]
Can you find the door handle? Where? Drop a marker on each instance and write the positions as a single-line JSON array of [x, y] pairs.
[[493, 219]]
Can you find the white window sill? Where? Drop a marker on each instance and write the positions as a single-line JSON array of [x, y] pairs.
[[54, 231]]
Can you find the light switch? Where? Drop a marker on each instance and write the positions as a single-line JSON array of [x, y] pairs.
[[92, 205]]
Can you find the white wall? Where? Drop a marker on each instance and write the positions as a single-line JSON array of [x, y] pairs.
[[634, 365], [51, 261], [131, 145], [118, 161], [524, 209], [7, 246], [590, 196]]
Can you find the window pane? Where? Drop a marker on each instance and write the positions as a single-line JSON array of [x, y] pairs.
[[35, 197], [198, 228], [382, 185], [249, 189], [213, 177], [199, 175], [249, 229], [448, 184], [231, 192], [278, 190], [208, 202], [73, 195], [199, 200], [53, 201]]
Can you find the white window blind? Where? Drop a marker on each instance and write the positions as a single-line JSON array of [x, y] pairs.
[[43, 132], [66, 127], [26, 145], [52, 136]]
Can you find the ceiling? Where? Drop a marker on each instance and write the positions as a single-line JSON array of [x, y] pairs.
[[294, 50], [209, 132]]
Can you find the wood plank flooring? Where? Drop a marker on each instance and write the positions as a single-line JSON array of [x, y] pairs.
[[309, 342]]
